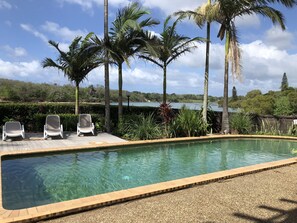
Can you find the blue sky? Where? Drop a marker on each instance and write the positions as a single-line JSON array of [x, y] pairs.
[[27, 25]]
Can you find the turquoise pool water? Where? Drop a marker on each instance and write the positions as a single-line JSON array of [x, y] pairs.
[[29, 181]]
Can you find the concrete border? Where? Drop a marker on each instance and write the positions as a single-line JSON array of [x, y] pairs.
[[87, 203]]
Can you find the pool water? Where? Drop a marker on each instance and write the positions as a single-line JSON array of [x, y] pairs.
[[29, 181]]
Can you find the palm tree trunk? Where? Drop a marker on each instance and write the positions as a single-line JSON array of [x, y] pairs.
[[106, 70], [225, 116], [164, 83], [120, 106], [205, 97], [76, 98]]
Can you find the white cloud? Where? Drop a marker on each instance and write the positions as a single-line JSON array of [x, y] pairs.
[[248, 21], [171, 6], [64, 33], [196, 58], [90, 4], [5, 5], [167, 6], [30, 71], [15, 52], [138, 75], [20, 69], [36, 33], [264, 65], [279, 38]]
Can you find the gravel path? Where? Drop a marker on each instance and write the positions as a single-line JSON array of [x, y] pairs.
[[269, 196]]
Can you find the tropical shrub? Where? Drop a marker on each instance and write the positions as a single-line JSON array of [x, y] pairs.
[[269, 128], [283, 106], [293, 130], [241, 123], [140, 127], [188, 123], [166, 113]]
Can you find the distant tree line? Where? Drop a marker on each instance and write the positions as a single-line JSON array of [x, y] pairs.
[[283, 102], [18, 91]]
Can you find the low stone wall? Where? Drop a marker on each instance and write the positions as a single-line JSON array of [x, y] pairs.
[[263, 123]]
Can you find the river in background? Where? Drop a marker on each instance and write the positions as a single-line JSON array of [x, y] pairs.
[[195, 106]]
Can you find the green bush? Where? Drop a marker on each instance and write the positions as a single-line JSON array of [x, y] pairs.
[[283, 106], [241, 123], [140, 127], [188, 123], [293, 130], [269, 127]]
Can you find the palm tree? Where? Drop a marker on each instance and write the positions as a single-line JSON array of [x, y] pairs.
[[126, 39], [75, 64], [106, 70], [199, 17], [225, 12], [206, 73], [168, 47]]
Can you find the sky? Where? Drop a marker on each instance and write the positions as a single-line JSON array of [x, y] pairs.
[[26, 26]]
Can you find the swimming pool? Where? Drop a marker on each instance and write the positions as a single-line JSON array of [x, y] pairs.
[[33, 180]]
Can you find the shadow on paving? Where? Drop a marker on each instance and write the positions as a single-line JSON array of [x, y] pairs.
[[281, 216]]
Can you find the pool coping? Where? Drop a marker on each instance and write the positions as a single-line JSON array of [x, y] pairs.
[[88, 203]]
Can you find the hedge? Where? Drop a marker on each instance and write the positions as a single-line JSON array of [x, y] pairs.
[[33, 115]]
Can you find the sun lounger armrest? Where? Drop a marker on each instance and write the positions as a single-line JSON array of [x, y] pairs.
[[3, 133], [93, 126], [61, 128], [23, 131]]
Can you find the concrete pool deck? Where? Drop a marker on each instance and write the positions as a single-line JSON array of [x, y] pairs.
[[35, 141], [73, 206]]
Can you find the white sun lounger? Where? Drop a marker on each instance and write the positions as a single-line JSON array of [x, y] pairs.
[[85, 124], [52, 126], [13, 129]]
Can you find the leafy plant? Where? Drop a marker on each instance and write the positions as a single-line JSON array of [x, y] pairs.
[[241, 123], [283, 106], [269, 128], [188, 123], [140, 127], [166, 113], [293, 130]]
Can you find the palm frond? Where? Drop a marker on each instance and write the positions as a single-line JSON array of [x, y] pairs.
[[286, 3], [151, 60], [274, 15], [235, 54]]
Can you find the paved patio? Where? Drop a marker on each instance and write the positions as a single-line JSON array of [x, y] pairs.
[[35, 141]]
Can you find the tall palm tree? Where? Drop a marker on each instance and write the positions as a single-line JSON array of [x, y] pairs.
[[168, 47], [75, 64], [206, 73], [106, 70], [225, 12], [126, 39], [199, 17]]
